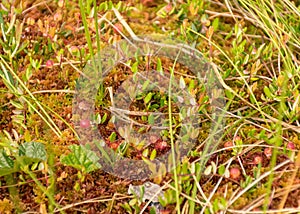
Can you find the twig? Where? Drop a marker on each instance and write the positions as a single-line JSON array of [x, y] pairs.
[[94, 200], [290, 182], [54, 91], [35, 5]]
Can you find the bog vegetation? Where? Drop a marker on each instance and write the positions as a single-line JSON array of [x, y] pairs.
[[253, 48]]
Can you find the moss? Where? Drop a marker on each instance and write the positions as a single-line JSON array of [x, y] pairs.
[[6, 206]]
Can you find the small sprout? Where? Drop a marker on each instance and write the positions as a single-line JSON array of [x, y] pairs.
[[85, 123], [268, 152], [290, 145], [235, 173], [257, 159], [49, 63]]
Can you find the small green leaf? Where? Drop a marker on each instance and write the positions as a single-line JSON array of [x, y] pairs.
[[144, 118], [215, 24], [145, 85], [134, 67], [133, 202], [34, 166], [77, 186], [252, 98], [126, 206], [159, 66], [267, 92], [246, 59], [216, 205], [104, 118], [151, 119], [152, 210], [112, 137], [153, 154], [148, 98], [185, 138], [103, 6], [1, 18], [229, 35], [27, 136], [191, 85], [221, 170]]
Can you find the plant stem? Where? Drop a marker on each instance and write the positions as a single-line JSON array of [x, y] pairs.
[[172, 135]]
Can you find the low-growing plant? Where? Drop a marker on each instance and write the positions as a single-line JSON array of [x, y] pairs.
[[28, 156], [82, 159]]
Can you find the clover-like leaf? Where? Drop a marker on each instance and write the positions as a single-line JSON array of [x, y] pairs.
[[5, 160], [33, 150], [81, 158], [7, 165]]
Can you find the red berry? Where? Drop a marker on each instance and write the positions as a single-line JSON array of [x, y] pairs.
[[49, 63], [228, 144], [235, 173], [161, 145], [114, 145], [290, 145], [118, 28], [257, 159], [85, 123]]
